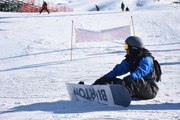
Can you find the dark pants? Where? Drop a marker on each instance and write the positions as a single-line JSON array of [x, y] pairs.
[[45, 8], [138, 88]]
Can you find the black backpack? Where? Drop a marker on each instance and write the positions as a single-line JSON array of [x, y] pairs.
[[157, 69]]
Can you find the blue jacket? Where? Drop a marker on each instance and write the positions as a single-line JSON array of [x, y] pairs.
[[144, 68]]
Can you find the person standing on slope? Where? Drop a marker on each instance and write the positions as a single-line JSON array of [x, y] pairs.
[[44, 7], [122, 6]]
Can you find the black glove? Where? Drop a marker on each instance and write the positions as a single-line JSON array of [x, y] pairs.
[[101, 81], [138, 82], [131, 85], [81, 82], [127, 78]]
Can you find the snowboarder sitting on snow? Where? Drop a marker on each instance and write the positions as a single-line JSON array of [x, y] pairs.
[[44, 7], [141, 82]]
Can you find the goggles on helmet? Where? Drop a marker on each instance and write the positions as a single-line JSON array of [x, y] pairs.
[[126, 46]]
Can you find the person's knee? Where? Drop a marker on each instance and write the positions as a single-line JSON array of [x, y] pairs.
[[147, 93]]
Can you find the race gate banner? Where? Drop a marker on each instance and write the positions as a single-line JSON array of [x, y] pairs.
[[119, 33]]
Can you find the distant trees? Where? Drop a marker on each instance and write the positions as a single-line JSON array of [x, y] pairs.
[[10, 6]]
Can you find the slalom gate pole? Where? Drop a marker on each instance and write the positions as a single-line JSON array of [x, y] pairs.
[[71, 39], [133, 25]]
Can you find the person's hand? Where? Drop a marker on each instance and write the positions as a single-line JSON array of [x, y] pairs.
[[127, 78], [100, 81], [81, 82], [140, 82]]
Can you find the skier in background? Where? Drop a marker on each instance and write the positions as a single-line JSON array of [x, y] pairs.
[[97, 8], [141, 82], [122, 6], [44, 7]]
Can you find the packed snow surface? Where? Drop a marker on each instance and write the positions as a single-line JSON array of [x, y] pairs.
[[35, 61]]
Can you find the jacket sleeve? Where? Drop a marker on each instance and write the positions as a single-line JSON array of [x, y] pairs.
[[119, 69], [145, 67]]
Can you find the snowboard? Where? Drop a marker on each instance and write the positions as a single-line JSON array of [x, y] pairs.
[[103, 94]]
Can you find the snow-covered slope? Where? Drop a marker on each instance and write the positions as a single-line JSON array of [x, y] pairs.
[[35, 63], [115, 5]]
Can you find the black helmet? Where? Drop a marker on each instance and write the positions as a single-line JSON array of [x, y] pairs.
[[134, 44], [134, 41]]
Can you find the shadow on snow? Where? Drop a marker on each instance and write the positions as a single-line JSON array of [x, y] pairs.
[[62, 62], [53, 51], [88, 56], [66, 107], [171, 43]]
